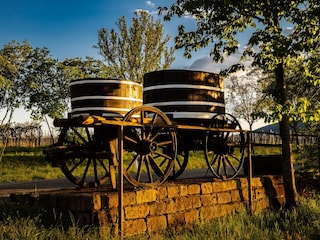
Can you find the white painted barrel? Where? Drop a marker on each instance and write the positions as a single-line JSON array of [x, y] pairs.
[[191, 97], [104, 97]]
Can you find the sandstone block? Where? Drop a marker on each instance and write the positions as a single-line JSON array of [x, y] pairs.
[[147, 195], [183, 190], [113, 215], [136, 211], [243, 182], [129, 198], [257, 182], [112, 201], [183, 203], [162, 193], [208, 213], [206, 188], [193, 189], [176, 220], [235, 196], [133, 227], [173, 191], [223, 186], [208, 200], [165, 206], [259, 193], [156, 223], [191, 216], [224, 197]]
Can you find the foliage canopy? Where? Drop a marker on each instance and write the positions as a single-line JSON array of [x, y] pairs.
[[135, 50], [270, 46]]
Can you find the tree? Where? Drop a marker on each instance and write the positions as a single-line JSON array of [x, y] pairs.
[[46, 90], [303, 94], [133, 51], [76, 68], [48, 82], [244, 96], [13, 57], [219, 23], [31, 79]]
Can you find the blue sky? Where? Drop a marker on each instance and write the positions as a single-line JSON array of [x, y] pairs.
[[69, 28]]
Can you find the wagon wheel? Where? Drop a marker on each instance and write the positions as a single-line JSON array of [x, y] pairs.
[[180, 164], [84, 161], [149, 149], [224, 150]]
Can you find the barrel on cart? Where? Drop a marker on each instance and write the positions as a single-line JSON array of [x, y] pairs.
[[186, 97], [110, 98], [178, 111], [195, 99]]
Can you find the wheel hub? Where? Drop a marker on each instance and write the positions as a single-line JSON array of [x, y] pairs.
[[147, 147]]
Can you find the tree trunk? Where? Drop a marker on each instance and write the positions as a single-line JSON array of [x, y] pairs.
[[287, 166]]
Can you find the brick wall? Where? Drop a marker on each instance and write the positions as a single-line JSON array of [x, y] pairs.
[[181, 204]]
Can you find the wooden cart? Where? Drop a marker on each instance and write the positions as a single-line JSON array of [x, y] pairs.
[[155, 145]]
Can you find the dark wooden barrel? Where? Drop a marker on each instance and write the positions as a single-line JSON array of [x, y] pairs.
[[189, 97], [104, 97]]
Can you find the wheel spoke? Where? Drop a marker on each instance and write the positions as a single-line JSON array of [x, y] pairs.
[[168, 142], [230, 164], [180, 164], [139, 168], [88, 135], [155, 166], [214, 160], [155, 134], [142, 115], [85, 171], [224, 165], [79, 135], [77, 165], [235, 158], [133, 161], [95, 170], [130, 139], [163, 155], [149, 172], [103, 165], [154, 118], [219, 162]]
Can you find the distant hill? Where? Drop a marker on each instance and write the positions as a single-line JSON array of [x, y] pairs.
[[274, 128]]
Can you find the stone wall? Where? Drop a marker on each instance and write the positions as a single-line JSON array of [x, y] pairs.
[[183, 204]]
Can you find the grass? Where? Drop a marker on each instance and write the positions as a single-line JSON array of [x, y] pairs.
[[30, 163], [26, 164], [20, 222], [300, 223], [26, 228]]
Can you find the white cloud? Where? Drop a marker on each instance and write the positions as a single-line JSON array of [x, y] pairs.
[[150, 4], [206, 64], [153, 13], [141, 10]]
